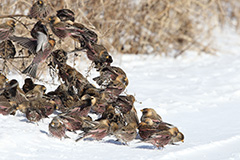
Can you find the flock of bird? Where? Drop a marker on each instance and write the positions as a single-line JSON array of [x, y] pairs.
[[75, 98]]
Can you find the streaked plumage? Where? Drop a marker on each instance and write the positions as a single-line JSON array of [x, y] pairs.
[[7, 49], [152, 114], [57, 128], [7, 29], [66, 15], [40, 9]]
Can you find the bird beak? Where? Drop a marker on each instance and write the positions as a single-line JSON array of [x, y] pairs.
[[182, 141], [141, 110]]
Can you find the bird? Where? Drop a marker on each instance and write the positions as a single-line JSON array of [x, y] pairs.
[[66, 15], [59, 28], [124, 103], [28, 85], [41, 47], [14, 93], [109, 73], [99, 55], [177, 136], [82, 107], [33, 114], [59, 57], [57, 128], [36, 93], [99, 130], [38, 27], [3, 82], [40, 10], [152, 114], [7, 29], [131, 116], [126, 133], [7, 107], [7, 49], [159, 139]]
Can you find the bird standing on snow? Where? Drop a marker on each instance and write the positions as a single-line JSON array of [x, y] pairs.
[[57, 128], [152, 114]]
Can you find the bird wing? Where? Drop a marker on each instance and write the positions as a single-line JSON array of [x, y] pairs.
[[28, 43]]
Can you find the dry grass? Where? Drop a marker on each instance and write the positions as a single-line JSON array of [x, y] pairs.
[[143, 26]]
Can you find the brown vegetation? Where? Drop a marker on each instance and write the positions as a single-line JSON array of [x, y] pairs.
[[144, 26]]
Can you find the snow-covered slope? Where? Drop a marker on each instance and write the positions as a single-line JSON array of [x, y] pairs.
[[200, 94]]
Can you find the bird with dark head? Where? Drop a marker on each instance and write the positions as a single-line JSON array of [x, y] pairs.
[[7, 29], [14, 93], [38, 27], [40, 9], [57, 128], [28, 85], [66, 15]]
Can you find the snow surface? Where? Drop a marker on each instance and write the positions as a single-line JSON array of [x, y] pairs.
[[200, 94]]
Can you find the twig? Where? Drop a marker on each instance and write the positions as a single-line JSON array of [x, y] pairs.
[[11, 16]]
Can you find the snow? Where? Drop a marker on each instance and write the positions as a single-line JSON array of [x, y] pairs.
[[200, 94]]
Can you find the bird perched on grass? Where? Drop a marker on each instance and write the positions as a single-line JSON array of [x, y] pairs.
[[40, 10], [57, 128], [7, 29], [152, 114]]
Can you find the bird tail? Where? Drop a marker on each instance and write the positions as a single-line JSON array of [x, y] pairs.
[[31, 70]]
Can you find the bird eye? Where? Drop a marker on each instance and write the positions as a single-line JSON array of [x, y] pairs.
[[132, 133]]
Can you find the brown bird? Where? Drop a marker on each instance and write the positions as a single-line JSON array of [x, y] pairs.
[[66, 15], [40, 9], [33, 114], [126, 133], [124, 103], [57, 128], [28, 85], [59, 57], [177, 136], [82, 34], [109, 73], [14, 93], [113, 90], [36, 93], [3, 82], [38, 27], [7, 49], [7, 107], [159, 139], [150, 113], [99, 55], [98, 132], [82, 108], [59, 28], [7, 29], [131, 116], [42, 47]]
